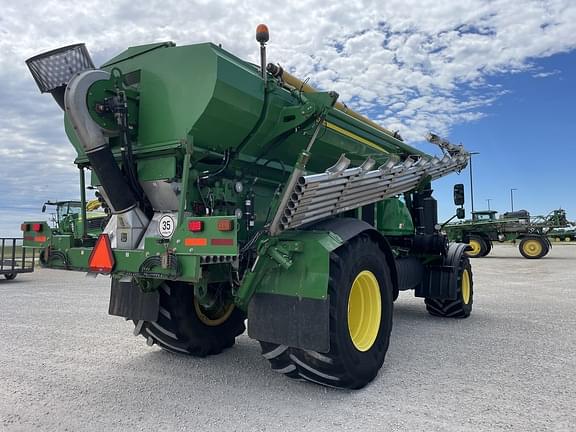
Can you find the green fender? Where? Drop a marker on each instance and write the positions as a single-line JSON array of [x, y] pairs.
[[286, 291]]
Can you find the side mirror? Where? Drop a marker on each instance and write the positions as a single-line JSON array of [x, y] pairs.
[[43, 208], [459, 194], [460, 213]]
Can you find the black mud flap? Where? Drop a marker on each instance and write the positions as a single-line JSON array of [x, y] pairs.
[[292, 321], [129, 301], [441, 281]]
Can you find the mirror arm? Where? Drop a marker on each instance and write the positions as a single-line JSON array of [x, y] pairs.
[[447, 222]]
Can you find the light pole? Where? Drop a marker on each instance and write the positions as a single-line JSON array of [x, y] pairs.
[[512, 198], [471, 183], [488, 201]]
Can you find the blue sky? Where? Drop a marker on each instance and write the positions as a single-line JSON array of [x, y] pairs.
[[526, 140], [496, 75]]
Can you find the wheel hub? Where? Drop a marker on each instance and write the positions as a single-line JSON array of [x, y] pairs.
[[215, 317], [364, 310], [533, 248], [476, 247], [465, 286]]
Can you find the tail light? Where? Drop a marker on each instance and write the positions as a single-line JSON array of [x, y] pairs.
[[195, 225], [225, 225], [25, 227], [36, 227]]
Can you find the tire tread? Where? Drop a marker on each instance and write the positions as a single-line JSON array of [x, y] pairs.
[[170, 331], [326, 369]]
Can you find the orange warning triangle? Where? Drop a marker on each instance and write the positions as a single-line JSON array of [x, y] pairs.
[[101, 259]]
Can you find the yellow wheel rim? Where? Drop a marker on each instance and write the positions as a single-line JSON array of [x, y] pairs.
[[476, 248], [364, 310], [532, 248], [465, 286], [213, 319]]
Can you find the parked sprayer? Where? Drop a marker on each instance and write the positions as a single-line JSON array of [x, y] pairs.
[[533, 232], [238, 191]]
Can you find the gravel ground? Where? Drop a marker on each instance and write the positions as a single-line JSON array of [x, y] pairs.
[[66, 365]]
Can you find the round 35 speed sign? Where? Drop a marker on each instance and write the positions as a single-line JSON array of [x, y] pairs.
[[166, 226]]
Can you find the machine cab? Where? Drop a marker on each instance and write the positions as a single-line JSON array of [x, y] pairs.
[[484, 215]]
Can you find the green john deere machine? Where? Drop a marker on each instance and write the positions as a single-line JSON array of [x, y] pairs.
[[68, 217], [484, 228], [567, 233], [238, 192]]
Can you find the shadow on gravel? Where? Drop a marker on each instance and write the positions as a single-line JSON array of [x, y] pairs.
[[242, 367], [12, 282], [416, 314], [239, 367]]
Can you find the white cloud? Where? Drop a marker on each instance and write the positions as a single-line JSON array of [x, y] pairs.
[[546, 74], [414, 65]]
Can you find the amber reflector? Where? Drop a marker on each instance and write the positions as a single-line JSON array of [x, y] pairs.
[[195, 242], [225, 225]]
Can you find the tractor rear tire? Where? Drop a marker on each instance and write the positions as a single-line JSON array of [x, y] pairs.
[[10, 276], [462, 306], [360, 293], [478, 245], [533, 247], [184, 327], [488, 248]]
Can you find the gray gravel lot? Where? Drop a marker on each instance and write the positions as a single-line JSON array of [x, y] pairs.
[[66, 365]]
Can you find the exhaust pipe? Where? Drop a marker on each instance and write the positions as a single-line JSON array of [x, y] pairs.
[[68, 73]]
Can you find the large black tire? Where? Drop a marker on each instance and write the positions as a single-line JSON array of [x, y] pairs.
[[348, 364], [462, 306], [533, 247], [10, 276], [488, 248], [479, 246], [182, 326]]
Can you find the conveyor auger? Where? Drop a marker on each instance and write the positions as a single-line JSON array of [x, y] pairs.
[[340, 188]]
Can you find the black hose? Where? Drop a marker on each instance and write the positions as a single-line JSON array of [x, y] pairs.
[[207, 174], [129, 163]]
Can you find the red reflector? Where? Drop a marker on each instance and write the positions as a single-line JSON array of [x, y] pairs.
[[195, 225], [195, 242], [222, 242], [40, 239], [36, 227], [225, 225], [101, 259], [25, 227]]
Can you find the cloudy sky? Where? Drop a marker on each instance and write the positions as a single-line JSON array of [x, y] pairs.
[[495, 75]]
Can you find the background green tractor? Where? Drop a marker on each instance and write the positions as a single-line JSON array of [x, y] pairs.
[[485, 228], [67, 217]]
